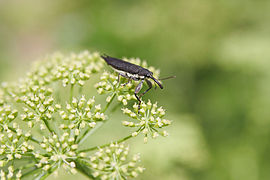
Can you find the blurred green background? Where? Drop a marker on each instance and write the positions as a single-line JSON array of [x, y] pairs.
[[218, 49]]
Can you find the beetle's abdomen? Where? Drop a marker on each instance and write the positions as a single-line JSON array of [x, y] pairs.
[[121, 65]]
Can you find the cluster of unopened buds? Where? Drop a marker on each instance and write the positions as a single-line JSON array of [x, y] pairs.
[[111, 163], [10, 173], [82, 113], [74, 69], [148, 122], [110, 84], [60, 150], [42, 125]]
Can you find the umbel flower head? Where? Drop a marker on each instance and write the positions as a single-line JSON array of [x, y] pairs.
[[81, 113], [36, 101], [149, 121], [41, 127], [58, 151], [111, 163], [14, 145], [10, 173], [73, 69], [7, 115], [110, 84]]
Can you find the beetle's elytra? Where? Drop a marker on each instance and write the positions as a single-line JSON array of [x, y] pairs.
[[132, 72]]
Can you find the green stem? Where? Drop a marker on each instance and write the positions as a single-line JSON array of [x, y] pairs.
[[102, 146], [108, 104], [88, 132], [83, 167], [48, 126], [49, 172], [71, 92], [30, 172], [31, 138], [80, 90]]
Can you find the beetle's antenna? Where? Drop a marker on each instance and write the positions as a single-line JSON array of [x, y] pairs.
[[170, 77], [104, 55], [156, 81]]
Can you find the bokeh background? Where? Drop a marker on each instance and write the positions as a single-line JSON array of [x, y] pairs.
[[218, 49]]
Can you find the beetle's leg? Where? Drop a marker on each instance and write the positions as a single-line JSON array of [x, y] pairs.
[[137, 90], [125, 76], [149, 87], [118, 78], [126, 82]]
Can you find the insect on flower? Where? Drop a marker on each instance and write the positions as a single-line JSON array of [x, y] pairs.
[[132, 72]]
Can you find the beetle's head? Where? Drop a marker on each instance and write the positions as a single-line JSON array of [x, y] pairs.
[[150, 75]]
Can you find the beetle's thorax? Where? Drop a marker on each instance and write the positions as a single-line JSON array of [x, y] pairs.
[[135, 77]]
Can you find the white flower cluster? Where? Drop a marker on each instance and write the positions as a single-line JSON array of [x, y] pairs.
[[73, 69], [149, 121], [14, 145], [111, 163], [53, 131], [58, 151], [38, 102], [109, 85], [82, 113], [6, 115], [10, 173]]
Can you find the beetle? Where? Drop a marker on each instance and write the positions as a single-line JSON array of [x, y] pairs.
[[132, 72]]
